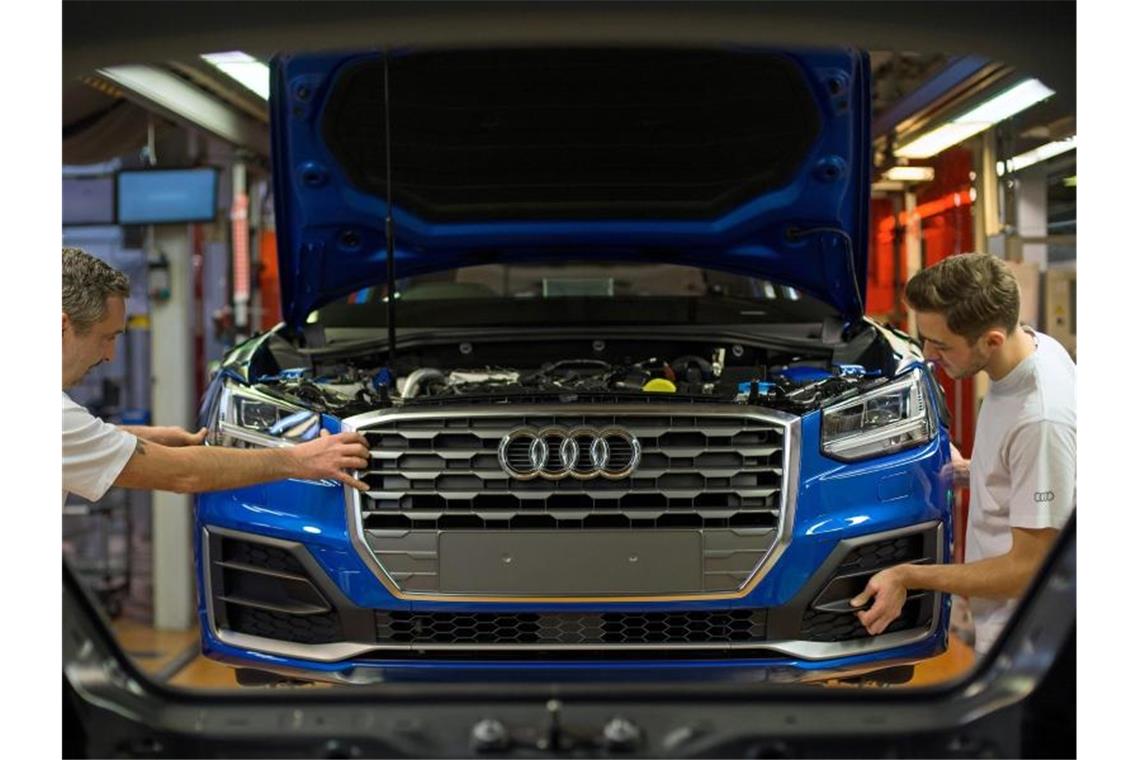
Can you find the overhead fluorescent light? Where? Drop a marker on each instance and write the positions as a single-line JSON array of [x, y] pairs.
[[886, 186], [978, 119], [1012, 101], [939, 139], [1037, 155], [243, 68], [909, 173]]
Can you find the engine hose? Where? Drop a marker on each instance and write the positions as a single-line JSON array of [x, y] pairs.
[[412, 384]]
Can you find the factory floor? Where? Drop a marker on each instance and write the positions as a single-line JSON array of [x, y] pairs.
[[173, 658]]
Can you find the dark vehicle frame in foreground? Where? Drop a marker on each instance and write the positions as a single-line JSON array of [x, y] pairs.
[[1018, 701]]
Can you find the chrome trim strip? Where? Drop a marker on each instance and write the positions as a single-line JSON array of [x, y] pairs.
[[804, 650], [252, 436], [645, 410], [788, 492]]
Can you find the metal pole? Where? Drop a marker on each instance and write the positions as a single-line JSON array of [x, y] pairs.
[[239, 225]]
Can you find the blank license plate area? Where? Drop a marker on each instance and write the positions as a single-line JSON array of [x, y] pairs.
[[545, 563]]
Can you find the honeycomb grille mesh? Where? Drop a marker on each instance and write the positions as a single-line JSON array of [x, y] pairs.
[[883, 554], [839, 626], [299, 629], [261, 555], [609, 629]]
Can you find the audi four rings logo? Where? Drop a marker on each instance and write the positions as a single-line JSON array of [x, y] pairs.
[[554, 453]]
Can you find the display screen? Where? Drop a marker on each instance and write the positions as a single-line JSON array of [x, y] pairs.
[[89, 200], [167, 196]]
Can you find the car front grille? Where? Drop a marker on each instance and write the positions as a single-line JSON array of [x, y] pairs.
[[717, 475], [537, 630]]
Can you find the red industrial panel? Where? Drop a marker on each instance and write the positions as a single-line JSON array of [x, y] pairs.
[[948, 230], [882, 295], [268, 283]]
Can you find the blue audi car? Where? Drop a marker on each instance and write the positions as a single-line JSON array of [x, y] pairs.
[[599, 315]]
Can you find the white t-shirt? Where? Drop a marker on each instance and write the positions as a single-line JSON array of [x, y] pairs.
[[94, 452], [1023, 470]]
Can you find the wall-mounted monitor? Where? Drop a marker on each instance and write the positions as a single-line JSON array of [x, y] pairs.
[[89, 200], [167, 196]]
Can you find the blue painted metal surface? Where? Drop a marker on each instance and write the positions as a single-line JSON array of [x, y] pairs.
[[316, 203]]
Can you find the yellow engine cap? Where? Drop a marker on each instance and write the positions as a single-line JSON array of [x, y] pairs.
[[659, 385]]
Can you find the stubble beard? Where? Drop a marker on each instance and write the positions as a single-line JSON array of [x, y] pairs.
[[977, 363]]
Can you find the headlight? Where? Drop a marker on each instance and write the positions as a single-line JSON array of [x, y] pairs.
[[246, 418], [892, 418]]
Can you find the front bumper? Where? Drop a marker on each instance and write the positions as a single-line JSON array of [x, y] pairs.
[[269, 605], [803, 632]]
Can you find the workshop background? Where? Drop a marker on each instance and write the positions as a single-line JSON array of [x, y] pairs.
[[957, 170]]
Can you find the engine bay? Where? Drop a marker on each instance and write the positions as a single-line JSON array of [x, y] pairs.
[[591, 371]]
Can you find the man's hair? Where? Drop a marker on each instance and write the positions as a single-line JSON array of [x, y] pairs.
[[974, 292], [87, 284]]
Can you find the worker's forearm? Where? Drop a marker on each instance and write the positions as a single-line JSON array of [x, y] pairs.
[[1001, 577], [145, 432], [209, 468]]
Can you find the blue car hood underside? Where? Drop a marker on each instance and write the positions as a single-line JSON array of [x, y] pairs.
[[748, 161]]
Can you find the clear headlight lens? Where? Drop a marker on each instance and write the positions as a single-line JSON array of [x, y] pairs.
[[892, 418], [246, 418]]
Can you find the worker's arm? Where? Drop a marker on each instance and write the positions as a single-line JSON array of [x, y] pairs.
[[1042, 469], [957, 469], [193, 469], [166, 436], [1003, 577]]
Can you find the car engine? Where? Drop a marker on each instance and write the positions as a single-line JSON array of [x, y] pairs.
[[790, 383]]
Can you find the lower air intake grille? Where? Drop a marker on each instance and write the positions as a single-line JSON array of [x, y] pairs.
[[260, 555], [883, 554], [261, 589], [572, 629], [830, 618], [844, 626], [299, 629]]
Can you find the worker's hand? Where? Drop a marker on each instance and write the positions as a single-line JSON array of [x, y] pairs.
[[329, 456], [889, 591], [175, 436], [957, 469]]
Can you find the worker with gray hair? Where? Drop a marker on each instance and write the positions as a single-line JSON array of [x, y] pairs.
[[98, 455]]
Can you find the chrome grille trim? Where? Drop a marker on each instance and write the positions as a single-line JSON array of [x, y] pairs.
[[458, 421]]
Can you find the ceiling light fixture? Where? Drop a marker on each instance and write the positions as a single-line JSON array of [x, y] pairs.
[[1037, 155], [243, 68], [909, 173], [887, 186], [978, 119]]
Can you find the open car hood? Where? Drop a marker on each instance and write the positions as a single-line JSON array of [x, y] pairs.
[[750, 161]]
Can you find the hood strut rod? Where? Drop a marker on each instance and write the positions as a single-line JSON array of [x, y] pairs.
[[389, 227]]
